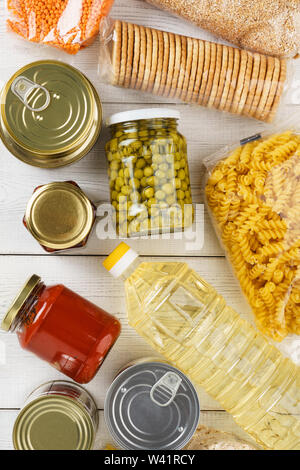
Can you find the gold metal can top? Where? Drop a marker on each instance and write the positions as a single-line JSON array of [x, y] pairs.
[[19, 302], [50, 114], [53, 423], [59, 215]]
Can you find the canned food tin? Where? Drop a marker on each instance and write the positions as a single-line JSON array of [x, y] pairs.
[[51, 114], [151, 405], [60, 216], [57, 416]]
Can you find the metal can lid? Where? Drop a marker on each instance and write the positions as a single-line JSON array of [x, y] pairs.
[[152, 406], [142, 114], [59, 215], [49, 110], [19, 302], [53, 423]]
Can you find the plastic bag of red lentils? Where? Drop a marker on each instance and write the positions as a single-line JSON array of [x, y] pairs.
[[66, 24]]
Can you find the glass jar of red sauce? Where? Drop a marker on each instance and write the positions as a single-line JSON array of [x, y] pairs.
[[62, 328]]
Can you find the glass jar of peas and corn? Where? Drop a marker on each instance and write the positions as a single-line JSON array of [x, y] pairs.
[[148, 172]]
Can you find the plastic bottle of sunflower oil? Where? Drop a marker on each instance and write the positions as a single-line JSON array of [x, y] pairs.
[[189, 323]]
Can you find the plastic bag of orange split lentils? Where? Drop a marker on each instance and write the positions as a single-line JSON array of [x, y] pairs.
[[67, 24]]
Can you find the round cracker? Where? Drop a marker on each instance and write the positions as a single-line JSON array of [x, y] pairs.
[[165, 64], [142, 62], [176, 65], [211, 74], [247, 82], [228, 78], [216, 77], [199, 73], [266, 87], [189, 94], [273, 89], [205, 72], [136, 56], [130, 46], [188, 68], [171, 64], [183, 63], [116, 55], [233, 79], [240, 82], [279, 91], [260, 84], [154, 60], [253, 83], [148, 63], [225, 54], [123, 53], [159, 69]]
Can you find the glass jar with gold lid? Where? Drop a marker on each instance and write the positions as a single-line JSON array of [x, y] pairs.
[[60, 216]]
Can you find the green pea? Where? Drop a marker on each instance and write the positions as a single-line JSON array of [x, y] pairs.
[[163, 167], [114, 195], [170, 200], [139, 173], [114, 165], [181, 174], [168, 188], [134, 183], [177, 183], [160, 195], [184, 185], [148, 171], [140, 163], [160, 174], [151, 181], [113, 175], [149, 193], [144, 182], [125, 190], [180, 194]]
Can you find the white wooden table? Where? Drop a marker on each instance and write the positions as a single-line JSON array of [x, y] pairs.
[[20, 256]]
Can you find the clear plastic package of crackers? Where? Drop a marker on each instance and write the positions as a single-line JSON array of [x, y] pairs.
[[269, 27], [192, 70], [66, 24], [253, 196]]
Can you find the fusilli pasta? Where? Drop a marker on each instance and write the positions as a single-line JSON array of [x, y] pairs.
[[254, 197]]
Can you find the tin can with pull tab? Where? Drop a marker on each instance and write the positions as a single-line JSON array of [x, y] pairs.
[[51, 114], [151, 406]]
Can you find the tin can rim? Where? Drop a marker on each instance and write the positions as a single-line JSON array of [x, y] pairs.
[[56, 159], [19, 442], [122, 443]]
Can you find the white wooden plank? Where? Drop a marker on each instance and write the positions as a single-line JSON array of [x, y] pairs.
[[21, 372], [18, 180], [218, 420]]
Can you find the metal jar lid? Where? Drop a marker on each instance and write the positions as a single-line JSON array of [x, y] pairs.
[[50, 114], [19, 302], [59, 215], [53, 422], [152, 406]]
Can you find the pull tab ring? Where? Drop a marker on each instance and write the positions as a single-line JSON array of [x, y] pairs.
[[22, 88], [167, 387]]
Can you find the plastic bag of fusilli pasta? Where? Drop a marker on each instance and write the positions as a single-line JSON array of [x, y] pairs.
[[253, 196]]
